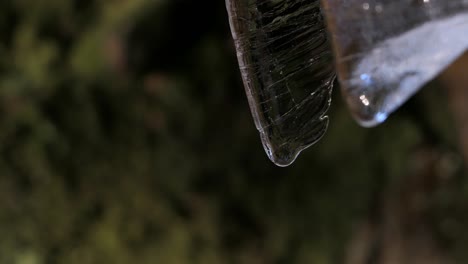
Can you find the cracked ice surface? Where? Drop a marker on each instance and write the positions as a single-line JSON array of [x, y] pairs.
[[286, 64]]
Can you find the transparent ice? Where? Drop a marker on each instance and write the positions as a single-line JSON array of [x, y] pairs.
[[287, 67], [384, 50]]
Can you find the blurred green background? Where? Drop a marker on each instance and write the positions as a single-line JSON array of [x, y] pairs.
[[125, 137]]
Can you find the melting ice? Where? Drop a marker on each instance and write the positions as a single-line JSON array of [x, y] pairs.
[[384, 50], [387, 50]]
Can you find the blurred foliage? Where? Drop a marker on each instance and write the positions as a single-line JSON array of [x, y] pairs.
[[125, 137]]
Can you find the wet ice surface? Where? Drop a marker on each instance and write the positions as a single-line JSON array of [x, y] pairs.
[[398, 67], [387, 50], [286, 63]]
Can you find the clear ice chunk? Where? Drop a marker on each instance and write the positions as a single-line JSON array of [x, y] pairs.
[[386, 50], [287, 68]]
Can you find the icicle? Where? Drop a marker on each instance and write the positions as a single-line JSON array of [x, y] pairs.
[[387, 50], [286, 64]]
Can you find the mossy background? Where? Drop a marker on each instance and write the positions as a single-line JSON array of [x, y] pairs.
[[125, 137]]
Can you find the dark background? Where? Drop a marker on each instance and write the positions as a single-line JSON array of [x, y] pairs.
[[125, 137]]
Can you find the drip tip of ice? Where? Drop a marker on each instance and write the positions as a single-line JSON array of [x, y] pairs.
[[386, 76]]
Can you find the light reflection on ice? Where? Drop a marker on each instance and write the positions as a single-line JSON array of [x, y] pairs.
[[385, 51]]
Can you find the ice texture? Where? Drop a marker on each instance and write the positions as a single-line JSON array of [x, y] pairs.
[[287, 68], [386, 50]]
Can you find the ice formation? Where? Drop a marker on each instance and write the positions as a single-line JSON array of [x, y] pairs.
[[384, 52]]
